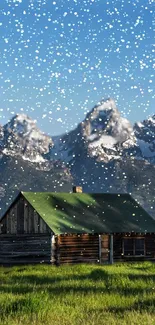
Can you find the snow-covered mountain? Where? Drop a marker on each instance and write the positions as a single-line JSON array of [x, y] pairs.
[[22, 137], [104, 153], [22, 162], [145, 135], [104, 134]]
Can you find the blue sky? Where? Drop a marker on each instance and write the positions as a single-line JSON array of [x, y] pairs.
[[59, 58]]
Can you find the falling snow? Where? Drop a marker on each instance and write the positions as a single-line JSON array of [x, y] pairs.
[[59, 59], [73, 53]]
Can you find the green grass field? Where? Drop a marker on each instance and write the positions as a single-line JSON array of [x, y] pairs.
[[78, 294]]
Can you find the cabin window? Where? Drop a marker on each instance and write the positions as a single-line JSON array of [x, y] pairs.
[[139, 246], [133, 246]]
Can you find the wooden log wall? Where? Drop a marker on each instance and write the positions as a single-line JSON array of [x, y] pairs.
[[24, 249], [149, 247], [82, 248], [117, 247], [22, 219]]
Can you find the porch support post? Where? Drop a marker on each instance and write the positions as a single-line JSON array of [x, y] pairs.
[[57, 244], [53, 249], [111, 249]]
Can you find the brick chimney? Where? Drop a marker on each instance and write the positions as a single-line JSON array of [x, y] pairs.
[[77, 189]]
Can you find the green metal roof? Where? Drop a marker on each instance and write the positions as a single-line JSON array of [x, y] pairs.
[[90, 213]]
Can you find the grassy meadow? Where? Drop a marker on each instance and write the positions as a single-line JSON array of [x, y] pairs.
[[78, 294]]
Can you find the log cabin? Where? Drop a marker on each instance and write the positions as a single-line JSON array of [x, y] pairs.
[[58, 228]]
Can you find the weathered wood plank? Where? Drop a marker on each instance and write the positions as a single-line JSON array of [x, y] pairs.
[[26, 217], [82, 244], [41, 222], [105, 248], [36, 220], [20, 216], [13, 217], [79, 248], [12, 262], [31, 220], [25, 247], [9, 223], [75, 261]]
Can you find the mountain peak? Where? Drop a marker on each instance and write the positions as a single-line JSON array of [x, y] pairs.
[[23, 137], [106, 105], [105, 120], [105, 129], [104, 133], [21, 117], [145, 134], [21, 124]]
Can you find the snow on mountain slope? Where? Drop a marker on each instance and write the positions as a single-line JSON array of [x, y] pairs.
[[146, 148], [107, 132], [22, 137], [145, 135], [104, 134], [105, 119], [22, 162], [1, 137], [104, 153]]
